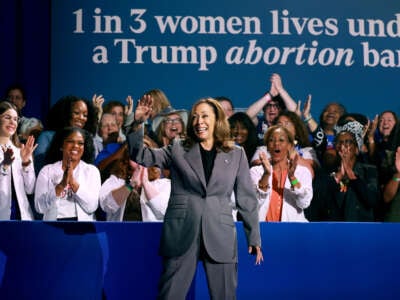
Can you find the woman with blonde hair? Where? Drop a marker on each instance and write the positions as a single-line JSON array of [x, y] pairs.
[[284, 187]]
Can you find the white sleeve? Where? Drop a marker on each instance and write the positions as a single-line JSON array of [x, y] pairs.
[[107, 201]]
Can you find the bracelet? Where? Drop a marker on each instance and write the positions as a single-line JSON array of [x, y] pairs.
[[26, 163], [294, 182], [396, 179], [306, 120], [129, 187]]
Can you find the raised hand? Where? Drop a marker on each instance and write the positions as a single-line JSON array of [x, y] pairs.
[[273, 91], [27, 149], [98, 101], [298, 108], [372, 127], [276, 82], [307, 108], [144, 108], [128, 108]]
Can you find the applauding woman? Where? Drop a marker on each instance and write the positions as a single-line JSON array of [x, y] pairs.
[[284, 187], [68, 186], [17, 176]]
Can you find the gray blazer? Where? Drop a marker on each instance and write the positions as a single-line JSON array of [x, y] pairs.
[[196, 208]]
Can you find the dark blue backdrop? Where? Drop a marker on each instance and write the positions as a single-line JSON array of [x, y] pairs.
[[76, 260], [25, 51]]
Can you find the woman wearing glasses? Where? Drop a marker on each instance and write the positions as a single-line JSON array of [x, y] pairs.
[[169, 124], [17, 175]]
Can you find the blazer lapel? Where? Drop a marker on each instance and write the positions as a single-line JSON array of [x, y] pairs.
[[221, 167], [193, 157]]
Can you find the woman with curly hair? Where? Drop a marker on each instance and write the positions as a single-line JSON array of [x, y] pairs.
[[68, 111], [68, 185]]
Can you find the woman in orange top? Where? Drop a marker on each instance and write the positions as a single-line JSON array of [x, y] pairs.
[[284, 188]]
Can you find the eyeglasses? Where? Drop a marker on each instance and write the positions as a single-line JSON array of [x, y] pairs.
[[172, 121], [272, 105], [10, 118]]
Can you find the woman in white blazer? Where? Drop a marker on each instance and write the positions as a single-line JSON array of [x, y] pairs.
[[68, 185], [284, 188], [17, 175]]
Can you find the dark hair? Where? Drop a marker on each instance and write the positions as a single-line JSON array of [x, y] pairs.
[[15, 86], [4, 106], [111, 104], [388, 112], [341, 108], [223, 98], [60, 114], [360, 118], [301, 135], [279, 100], [121, 167], [222, 133], [250, 145], [54, 153]]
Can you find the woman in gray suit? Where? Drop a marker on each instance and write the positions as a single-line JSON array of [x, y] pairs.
[[205, 169]]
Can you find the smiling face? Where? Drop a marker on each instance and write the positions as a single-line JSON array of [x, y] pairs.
[[8, 123], [108, 125], [331, 115], [203, 122], [173, 126], [278, 144], [73, 146], [386, 123], [239, 133], [79, 114]]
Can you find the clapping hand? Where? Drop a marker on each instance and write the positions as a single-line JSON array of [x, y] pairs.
[[346, 163], [265, 162], [8, 156]]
